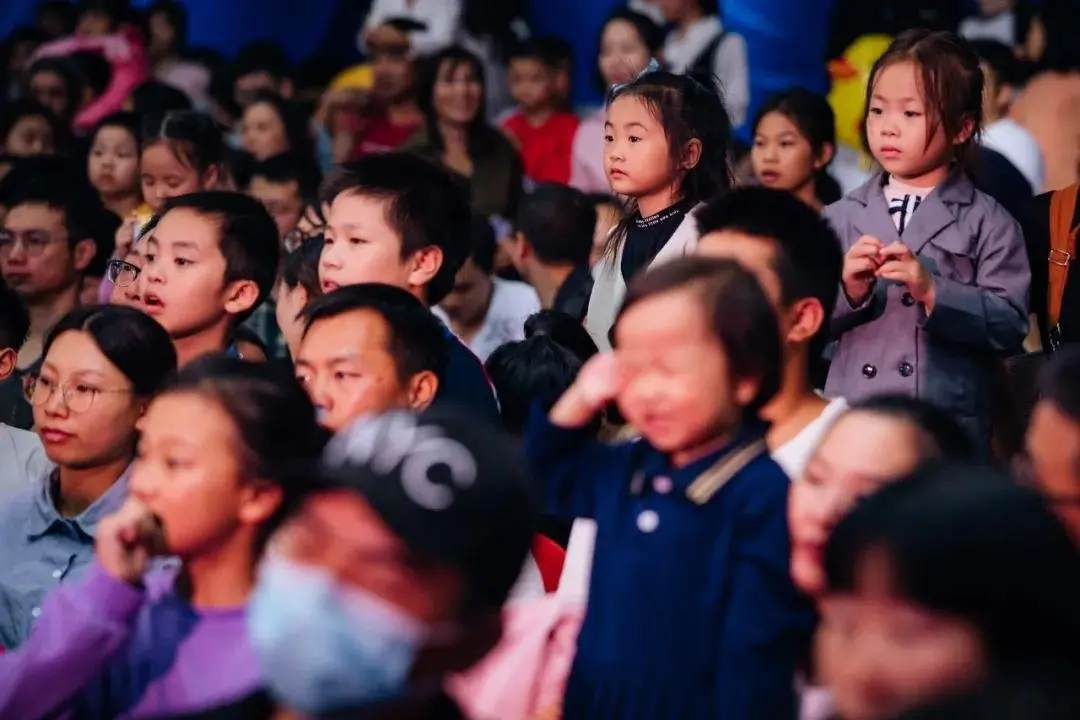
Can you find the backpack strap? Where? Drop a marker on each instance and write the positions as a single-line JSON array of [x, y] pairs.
[[703, 64], [1062, 251]]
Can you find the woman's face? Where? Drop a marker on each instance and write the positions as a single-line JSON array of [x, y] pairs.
[[30, 135], [264, 132], [859, 454], [623, 54], [162, 33], [49, 89], [84, 409], [881, 653], [782, 156], [458, 93], [113, 165]]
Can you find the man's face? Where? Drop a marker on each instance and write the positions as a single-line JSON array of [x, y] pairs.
[[247, 86], [36, 256], [471, 296], [282, 201], [1053, 448], [390, 53]]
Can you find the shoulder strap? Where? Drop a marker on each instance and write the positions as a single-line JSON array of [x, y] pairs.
[[1062, 248], [703, 63]]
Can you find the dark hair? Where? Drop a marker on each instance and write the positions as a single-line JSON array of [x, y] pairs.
[[807, 258], [563, 329], [482, 240], [750, 338], [688, 108], [293, 119], [534, 49], [417, 341], [95, 70], [261, 56], [289, 167], [62, 10], [558, 221], [951, 80], [424, 205], [14, 320], [1041, 694], [247, 237], [534, 371], [177, 16], [503, 23], [128, 121], [193, 138], [69, 74], [155, 99], [481, 136], [301, 266], [273, 418], [969, 542], [651, 34], [1059, 381], [242, 333], [815, 120], [135, 343], [1001, 59], [16, 111], [940, 433]]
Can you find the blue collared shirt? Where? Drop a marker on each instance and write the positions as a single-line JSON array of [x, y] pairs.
[[39, 548]]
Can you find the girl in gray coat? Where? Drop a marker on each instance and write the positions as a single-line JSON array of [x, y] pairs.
[[935, 276]]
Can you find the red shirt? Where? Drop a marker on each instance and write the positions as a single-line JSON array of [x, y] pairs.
[[378, 135], [545, 148]]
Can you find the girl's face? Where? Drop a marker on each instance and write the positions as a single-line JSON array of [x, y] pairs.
[[782, 156], [623, 54], [113, 166], [680, 393], [264, 132], [637, 157], [30, 135], [164, 176], [848, 464], [189, 457], [897, 127], [881, 653], [458, 94], [290, 301], [84, 409]]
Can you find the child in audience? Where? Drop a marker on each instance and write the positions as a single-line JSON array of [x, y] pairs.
[[209, 259], [28, 128], [398, 219], [936, 275], [663, 183], [794, 142], [541, 129], [281, 183], [102, 364], [22, 459], [113, 165], [298, 285], [691, 608]]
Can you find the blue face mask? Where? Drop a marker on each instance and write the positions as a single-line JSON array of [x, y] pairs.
[[324, 648]]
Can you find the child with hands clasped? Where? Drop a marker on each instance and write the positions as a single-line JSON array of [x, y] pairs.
[[935, 277], [691, 610]]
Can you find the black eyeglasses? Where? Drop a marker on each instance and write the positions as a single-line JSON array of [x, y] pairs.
[[122, 273]]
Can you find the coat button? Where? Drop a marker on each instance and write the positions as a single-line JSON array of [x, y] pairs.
[[907, 300], [905, 369], [869, 371]]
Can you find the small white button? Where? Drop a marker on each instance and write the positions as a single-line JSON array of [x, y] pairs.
[[662, 484], [36, 612], [57, 573], [648, 521]]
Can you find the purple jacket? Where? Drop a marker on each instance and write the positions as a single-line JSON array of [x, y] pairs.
[[976, 252]]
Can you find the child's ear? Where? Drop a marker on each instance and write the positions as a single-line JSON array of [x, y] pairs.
[[83, 253], [807, 317], [211, 177], [691, 154], [423, 387], [520, 249], [241, 296], [828, 152], [9, 359], [259, 502], [966, 131], [426, 263], [746, 389]]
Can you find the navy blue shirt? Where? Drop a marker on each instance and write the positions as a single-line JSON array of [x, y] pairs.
[[692, 612], [465, 383]]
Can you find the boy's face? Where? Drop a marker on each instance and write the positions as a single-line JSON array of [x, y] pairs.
[[469, 300], [282, 201], [389, 50], [346, 366], [36, 258], [530, 83], [182, 280], [361, 247]]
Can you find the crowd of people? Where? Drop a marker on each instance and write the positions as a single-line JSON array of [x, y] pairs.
[[407, 390]]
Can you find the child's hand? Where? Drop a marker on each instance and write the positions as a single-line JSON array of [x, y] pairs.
[[127, 540], [860, 267], [598, 383], [125, 237], [898, 263]]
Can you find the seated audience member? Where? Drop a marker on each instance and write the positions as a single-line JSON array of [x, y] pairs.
[[483, 310], [209, 259], [273, 125], [28, 128], [397, 219], [22, 460], [102, 364], [368, 349], [156, 98], [281, 183], [298, 285], [552, 247]]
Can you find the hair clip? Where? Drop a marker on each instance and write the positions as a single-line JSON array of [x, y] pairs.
[[653, 66]]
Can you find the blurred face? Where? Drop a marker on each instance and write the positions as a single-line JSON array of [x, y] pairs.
[[882, 654], [162, 33], [114, 163], [782, 157], [36, 258], [347, 368], [680, 393], [1053, 448], [290, 301], [264, 132], [623, 54], [164, 176], [189, 456], [897, 126], [677, 10], [31, 135], [637, 157], [48, 88], [248, 86], [458, 94], [361, 246], [389, 52], [93, 23], [84, 409], [471, 297], [850, 464], [530, 83], [282, 201]]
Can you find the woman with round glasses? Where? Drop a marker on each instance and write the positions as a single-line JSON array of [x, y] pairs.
[[101, 366], [124, 276]]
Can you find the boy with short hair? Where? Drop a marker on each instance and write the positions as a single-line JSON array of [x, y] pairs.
[[368, 349], [397, 219], [22, 459], [283, 183], [209, 259], [541, 128], [796, 257]]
